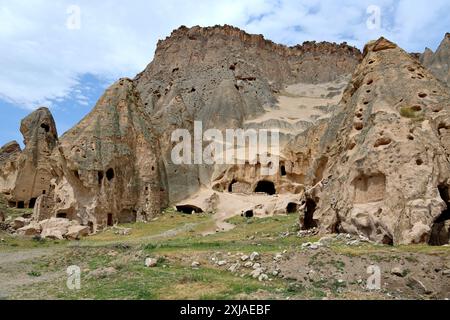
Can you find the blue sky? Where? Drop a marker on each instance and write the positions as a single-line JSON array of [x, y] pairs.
[[63, 54]]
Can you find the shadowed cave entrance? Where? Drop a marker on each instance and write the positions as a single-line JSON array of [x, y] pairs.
[[189, 209], [266, 187], [440, 236], [309, 222]]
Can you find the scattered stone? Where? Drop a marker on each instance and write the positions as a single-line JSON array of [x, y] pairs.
[[77, 232], [263, 277], [221, 263], [20, 222], [151, 262], [256, 266], [254, 256], [256, 273], [398, 271], [245, 258], [195, 264], [235, 267], [248, 264], [418, 286]]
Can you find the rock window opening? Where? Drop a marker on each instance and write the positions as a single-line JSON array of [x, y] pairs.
[[100, 177], [20, 205], [110, 174], [62, 215], [45, 127]]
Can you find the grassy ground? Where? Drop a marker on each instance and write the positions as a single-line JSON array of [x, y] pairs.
[[113, 265]]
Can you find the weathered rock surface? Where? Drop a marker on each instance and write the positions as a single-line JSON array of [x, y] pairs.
[[371, 160], [439, 62], [386, 174], [223, 76], [107, 165]]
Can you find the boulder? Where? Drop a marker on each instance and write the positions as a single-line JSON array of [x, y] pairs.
[[20, 223], [77, 232], [31, 230]]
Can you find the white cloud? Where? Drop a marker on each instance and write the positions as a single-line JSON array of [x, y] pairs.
[[43, 60]]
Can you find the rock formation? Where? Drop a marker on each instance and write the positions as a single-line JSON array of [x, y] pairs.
[[222, 77], [25, 175], [107, 166], [364, 140], [386, 154], [439, 62]]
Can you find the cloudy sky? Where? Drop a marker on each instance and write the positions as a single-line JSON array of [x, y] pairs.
[[63, 54]]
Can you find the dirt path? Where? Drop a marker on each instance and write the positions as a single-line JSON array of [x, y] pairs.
[[15, 268]]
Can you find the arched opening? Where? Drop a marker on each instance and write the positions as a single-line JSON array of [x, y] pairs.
[[283, 171], [266, 187], [20, 205], [189, 209], [439, 235], [61, 215], [249, 214], [292, 207], [230, 187], [110, 221], [110, 174], [32, 203], [311, 207]]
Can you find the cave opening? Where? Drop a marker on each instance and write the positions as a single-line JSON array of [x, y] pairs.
[[110, 221], [110, 174], [61, 215], [266, 187], [189, 209], [283, 171], [21, 205], [249, 214], [311, 207], [230, 187], [439, 235], [32, 203], [292, 207]]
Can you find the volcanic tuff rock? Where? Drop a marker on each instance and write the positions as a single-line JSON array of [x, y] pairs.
[[107, 166], [386, 172], [439, 62], [223, 76], [371, 160], [26, 175]]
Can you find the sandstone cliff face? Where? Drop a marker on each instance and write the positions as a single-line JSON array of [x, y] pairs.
[[107, 168], [439, 62], [387, 174], [222, 77]]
